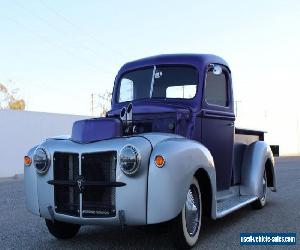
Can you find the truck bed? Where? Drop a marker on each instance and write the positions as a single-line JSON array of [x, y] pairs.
[[247, 136]]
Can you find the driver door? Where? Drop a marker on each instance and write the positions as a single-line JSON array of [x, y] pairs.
[[218, 122]]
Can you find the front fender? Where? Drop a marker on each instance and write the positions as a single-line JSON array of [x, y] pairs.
[[30, 182], [168, 186], [254, 163]]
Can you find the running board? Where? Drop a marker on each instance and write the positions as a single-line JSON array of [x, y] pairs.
[[232, 204]]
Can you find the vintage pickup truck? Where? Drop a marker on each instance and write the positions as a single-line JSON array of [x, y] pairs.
[[167, 151]]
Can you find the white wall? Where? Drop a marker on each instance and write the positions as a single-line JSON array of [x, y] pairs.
[[281, 124], [21, 130]]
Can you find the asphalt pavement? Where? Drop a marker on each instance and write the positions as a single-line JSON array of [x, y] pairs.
[[21, 230]]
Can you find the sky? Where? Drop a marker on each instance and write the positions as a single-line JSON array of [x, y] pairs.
[[57, 53]]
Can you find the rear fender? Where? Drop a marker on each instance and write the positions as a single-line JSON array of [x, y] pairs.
[[257, 157], [168, 186]]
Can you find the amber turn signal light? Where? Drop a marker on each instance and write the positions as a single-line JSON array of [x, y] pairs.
[[27, 160], [159, 161]]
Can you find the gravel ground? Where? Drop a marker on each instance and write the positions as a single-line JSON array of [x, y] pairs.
[[19, 229]]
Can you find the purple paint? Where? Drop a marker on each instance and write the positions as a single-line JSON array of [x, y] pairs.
[[90, 130], [193, 118]]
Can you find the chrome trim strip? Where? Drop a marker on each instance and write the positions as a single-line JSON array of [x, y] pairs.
[[80, 195], [80, 205], [152, 81]]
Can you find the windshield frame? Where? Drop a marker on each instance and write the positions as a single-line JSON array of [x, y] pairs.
[[154, 67]]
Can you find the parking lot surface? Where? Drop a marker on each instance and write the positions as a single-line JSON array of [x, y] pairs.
[[21, 230]]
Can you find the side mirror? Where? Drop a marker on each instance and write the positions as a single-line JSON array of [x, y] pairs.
[[217, 70]]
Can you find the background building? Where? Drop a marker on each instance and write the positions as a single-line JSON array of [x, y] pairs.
[[21, 130]]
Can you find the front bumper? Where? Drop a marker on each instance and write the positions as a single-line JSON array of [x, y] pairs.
[[111, 221], [130, 199]]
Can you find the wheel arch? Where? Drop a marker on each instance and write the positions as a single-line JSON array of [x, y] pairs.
[[270, 171], [206, 191], [168, 186]]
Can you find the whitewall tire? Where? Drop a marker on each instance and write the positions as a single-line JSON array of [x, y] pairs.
[[185, 228]]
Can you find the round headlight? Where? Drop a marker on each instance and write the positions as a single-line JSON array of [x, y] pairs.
[[41, 160], [129, 160]]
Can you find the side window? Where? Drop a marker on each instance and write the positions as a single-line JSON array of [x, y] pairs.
[[216, 89], [126, 90]]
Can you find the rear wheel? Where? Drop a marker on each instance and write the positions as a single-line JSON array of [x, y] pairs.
[[62, 230], [261, 202], [185, 228]]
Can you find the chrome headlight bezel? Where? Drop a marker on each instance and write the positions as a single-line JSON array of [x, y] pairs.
[[129, 155], [41, 157]]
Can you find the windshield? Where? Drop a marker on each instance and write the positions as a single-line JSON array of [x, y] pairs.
[[158, 82]]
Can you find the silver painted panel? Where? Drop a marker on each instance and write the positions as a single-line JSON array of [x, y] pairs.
[[168, 186], [156, 138], [30, 183], [227, 194], [130, 198], [253, 167]]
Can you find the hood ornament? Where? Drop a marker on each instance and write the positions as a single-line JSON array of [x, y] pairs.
[[80, 184]]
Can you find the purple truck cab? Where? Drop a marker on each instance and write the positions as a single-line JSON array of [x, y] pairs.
[[207, 116], [167, 151]]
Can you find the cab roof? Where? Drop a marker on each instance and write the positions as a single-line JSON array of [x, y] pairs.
[[199, 61]]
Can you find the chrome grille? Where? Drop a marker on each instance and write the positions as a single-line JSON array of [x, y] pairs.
[[98, 200], [87, 201], [66, 198]]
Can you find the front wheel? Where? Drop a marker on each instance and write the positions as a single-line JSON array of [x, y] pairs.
[[62, 230], [185, 228]]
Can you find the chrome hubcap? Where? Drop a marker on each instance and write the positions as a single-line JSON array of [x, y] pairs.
[[192, 210]]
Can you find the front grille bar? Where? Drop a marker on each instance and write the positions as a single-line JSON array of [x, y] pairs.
[[96, 184]]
